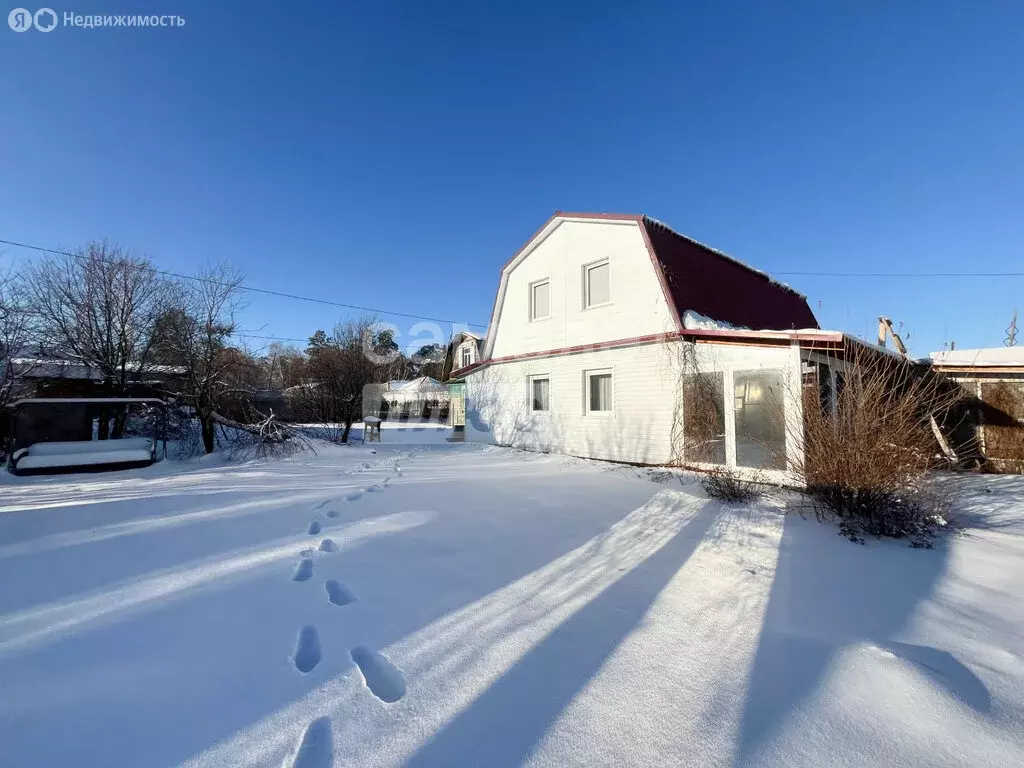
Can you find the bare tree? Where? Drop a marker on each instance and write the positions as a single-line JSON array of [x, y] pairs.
[[100, 307], [15, 333], [341, 366], [195, 334]]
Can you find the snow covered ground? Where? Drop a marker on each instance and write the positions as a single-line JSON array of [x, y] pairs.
[[450, 605]]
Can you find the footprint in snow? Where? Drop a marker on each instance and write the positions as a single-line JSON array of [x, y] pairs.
[[307, 552], [304, 570], [314, 528], [383, 678], [314, 749], [332, 513], [328, 545], [338, 593], [354, 496], [307, 649]]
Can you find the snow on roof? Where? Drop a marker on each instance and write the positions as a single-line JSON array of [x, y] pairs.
[[76, 369], [422, 384], [991, 356], [696, 321], [84, 401]]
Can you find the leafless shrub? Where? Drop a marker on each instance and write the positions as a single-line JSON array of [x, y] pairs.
[[866, 462], [725, 485], [184, 436]]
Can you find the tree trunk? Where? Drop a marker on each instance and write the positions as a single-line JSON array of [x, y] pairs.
[[206, 424], [103, 430], [348, 428]]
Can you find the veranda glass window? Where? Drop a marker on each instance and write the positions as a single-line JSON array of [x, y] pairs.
[[760, 419], [704, 418]]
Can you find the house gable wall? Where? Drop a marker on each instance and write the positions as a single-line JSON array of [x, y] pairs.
[[637, 307]]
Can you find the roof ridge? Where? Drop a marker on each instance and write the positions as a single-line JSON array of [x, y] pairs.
[[759, 272]]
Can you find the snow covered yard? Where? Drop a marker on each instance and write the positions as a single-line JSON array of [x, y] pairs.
[[448, 605]]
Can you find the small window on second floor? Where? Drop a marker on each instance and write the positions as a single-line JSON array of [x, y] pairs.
[[596, 284], [540, 304], [467, 357]]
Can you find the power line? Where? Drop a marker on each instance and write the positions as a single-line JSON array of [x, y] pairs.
[[264, 291], [268, 338]]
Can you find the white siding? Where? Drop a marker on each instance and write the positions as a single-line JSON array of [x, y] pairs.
[[637, 430], [637, 306], [643, 427]]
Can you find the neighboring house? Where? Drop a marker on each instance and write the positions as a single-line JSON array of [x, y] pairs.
[[69, 378], [422, 397], [463, 351], [614, 337], [996, 377]]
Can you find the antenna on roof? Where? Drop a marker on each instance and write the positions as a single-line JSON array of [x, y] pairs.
[[1011, 332]]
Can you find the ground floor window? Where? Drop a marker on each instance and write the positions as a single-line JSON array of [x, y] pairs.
[[704, 418], [760, 424], [540, 392], [599, 391]]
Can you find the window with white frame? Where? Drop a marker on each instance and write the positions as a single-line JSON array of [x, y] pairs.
[[598, 397], [540, 300], [467, 356], [704, 417], [596, 284], [540, 393]]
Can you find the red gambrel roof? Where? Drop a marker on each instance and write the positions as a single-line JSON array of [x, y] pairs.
[[694, 278], [703, 280]]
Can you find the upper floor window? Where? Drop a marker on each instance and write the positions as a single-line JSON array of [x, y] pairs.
[[467, 356], [596, 284], [540, 300]]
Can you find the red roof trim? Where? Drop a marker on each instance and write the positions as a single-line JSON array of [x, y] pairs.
[[754, 338]]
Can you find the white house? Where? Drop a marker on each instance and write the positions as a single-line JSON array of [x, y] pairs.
[[614, 337]]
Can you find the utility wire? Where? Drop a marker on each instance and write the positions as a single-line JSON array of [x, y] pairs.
[[263, 291]]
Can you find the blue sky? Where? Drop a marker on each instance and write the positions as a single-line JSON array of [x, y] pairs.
[[395, 154]]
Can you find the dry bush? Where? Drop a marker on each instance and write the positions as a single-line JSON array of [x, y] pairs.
[[867, 462], [725, 485]]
